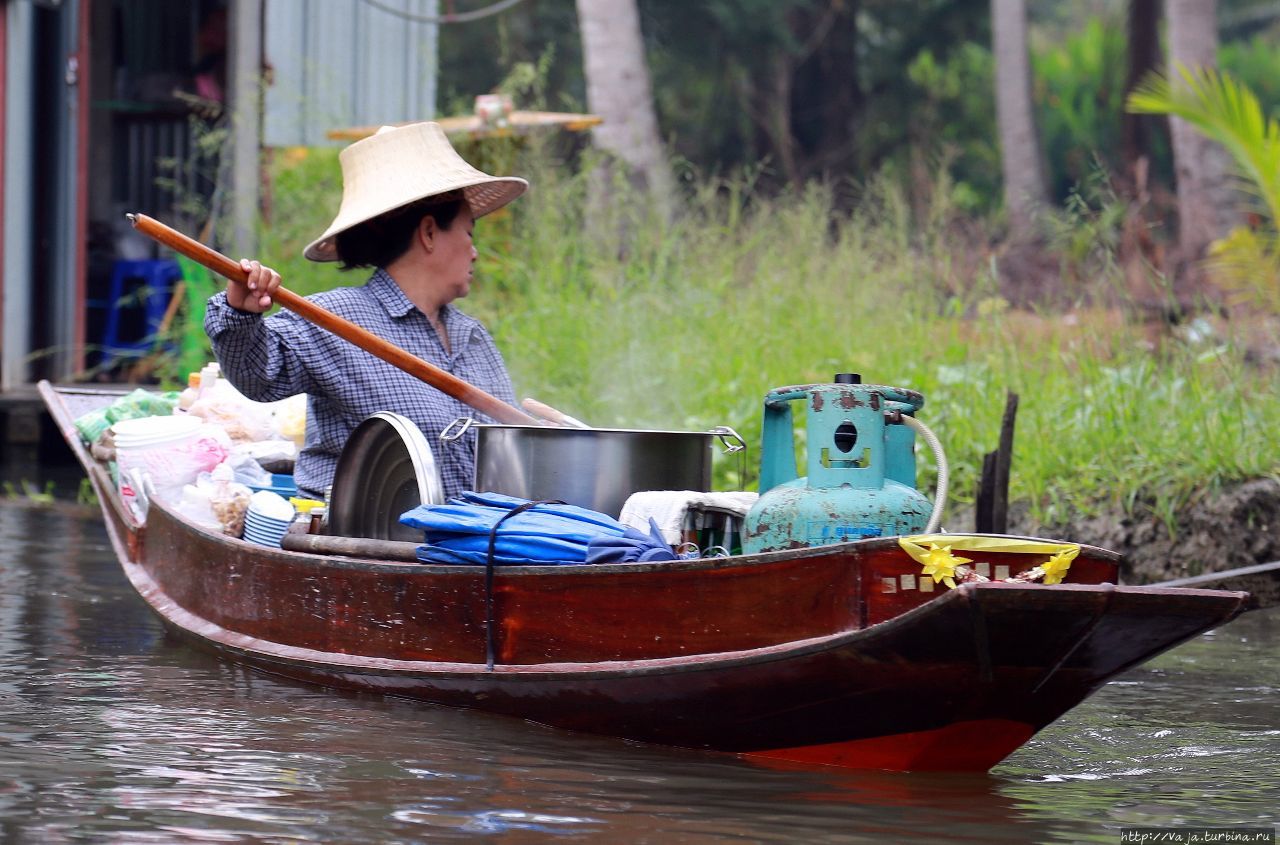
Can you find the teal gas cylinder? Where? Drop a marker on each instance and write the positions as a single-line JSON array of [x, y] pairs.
[[861, 469]]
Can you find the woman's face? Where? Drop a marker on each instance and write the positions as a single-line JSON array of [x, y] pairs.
[[453, 255]]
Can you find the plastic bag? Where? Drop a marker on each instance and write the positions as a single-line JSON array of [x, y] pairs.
[[245, 467], [228, 499], [142, 403], [131, 406], [290, 416], [92, 425], [171, 469], [241, 418], [104, 447], [196, 505], [268, 453]]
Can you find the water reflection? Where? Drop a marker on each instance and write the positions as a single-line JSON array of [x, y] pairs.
[[112, 731], [1183, 740]]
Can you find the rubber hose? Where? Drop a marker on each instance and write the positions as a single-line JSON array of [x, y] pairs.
[[940, 492]]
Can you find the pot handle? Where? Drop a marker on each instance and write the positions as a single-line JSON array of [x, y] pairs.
[[724, 432], [462, 426]]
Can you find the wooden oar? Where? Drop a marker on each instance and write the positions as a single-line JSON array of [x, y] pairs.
[[485, 403], [1261, 581], [550, 414]]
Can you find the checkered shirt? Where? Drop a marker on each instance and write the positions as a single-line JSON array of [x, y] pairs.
[[275, 357]]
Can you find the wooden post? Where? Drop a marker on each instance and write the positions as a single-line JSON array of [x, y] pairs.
[[982, 500], [991, 504], [1003, 464]]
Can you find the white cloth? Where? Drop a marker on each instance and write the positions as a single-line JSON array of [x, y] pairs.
[[667, 508]]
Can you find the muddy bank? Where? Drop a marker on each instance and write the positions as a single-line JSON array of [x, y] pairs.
[[1235, 527]]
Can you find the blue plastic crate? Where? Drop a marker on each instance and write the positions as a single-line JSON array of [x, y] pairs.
[[281, 484]]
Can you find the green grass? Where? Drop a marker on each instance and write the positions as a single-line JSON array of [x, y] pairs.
[[622, 319]]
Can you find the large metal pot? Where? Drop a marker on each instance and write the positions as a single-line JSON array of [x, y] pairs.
[[596, 468]]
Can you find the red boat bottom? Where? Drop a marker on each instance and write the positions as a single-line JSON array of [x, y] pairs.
[[972, 746]]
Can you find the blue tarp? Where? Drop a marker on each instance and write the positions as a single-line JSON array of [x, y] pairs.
[[459, 532]]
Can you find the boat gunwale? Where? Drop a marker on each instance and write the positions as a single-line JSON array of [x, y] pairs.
[[340, 561]]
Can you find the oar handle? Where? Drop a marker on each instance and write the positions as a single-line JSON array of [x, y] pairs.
[[485, 403], [550, 414]]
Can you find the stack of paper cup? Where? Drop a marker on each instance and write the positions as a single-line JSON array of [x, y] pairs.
[[267, 519]]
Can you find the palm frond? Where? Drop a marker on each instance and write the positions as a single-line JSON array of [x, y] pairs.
[[1248, 266], [1225, 110]]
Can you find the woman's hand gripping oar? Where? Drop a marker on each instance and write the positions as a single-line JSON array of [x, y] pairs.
[[445, 382]]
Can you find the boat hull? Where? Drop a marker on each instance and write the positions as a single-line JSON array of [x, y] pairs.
[[839, 655], [958, 684]]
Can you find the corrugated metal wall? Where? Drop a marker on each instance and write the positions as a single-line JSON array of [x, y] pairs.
[[344, 63], [41, 232], [19, 183]]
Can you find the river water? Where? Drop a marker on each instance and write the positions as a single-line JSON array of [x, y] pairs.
[[112, 731]]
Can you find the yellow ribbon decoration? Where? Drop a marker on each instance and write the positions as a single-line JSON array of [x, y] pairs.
[[935, 552], [1055, 568], [941, 564]]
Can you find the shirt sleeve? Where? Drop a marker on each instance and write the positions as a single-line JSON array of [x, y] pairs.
[[488, 370], [258, 354]]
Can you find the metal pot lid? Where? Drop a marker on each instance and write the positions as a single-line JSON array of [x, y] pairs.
[[386, 468]]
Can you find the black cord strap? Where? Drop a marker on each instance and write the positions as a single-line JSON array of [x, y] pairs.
[[489, 649]]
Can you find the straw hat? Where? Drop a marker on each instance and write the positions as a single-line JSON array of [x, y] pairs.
[[399, 165]]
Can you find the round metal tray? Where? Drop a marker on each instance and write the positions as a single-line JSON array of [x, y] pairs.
[[386, 468]]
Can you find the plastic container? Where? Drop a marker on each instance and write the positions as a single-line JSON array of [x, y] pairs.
[[153, 429], [188, 397], [153, 447], [209, 377], [281, 485]]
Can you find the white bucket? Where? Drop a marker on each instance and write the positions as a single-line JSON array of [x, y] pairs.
[[154, 430], [154, 446]]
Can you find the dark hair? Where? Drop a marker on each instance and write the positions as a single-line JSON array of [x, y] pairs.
[[380, 241]]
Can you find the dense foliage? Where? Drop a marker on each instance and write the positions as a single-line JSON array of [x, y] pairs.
[[626, 320], [812, 88]]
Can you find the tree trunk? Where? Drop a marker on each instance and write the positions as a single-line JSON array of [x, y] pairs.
[[618, 90], [828, 101], [772, 111], [1200, 166], [1024, 185], [1137, 130]]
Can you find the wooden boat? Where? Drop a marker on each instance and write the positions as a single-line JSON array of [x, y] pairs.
[[837, 655]]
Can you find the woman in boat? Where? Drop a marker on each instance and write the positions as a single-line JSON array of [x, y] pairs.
[[409, 205]]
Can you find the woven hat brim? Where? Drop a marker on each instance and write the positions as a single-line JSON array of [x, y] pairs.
[[484, 196]]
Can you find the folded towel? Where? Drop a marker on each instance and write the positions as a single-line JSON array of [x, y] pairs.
[[734, 501], [668, 508]]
